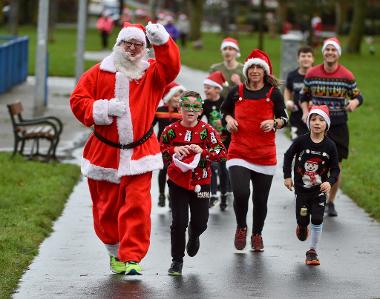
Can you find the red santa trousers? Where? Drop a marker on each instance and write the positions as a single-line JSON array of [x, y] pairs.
[[122, 214]]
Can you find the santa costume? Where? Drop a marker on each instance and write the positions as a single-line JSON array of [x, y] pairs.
[[118, 98]]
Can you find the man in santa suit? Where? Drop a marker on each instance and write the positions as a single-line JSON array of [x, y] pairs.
[[118, 98]]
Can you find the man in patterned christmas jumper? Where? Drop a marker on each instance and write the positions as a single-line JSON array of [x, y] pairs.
[[333, 85]]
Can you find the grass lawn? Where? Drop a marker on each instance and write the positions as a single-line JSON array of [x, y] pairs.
[[363, 166], [32, 196]]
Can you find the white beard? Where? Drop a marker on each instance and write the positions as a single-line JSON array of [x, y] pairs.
[[131, 66]]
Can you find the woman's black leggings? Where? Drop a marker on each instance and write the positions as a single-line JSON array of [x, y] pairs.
[[240, 178]]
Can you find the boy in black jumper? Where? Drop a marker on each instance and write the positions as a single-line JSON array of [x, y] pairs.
[[189, 146], [316, 169]]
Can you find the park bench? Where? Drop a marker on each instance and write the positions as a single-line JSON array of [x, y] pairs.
[[44, 128]]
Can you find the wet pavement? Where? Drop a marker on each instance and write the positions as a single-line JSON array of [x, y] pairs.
[[72, 263]]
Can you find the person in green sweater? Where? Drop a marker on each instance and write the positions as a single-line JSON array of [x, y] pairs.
[[230, 67]]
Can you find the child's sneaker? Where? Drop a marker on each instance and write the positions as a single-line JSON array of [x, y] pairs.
[[312, 258], [213, 201], [193, 244], [240, 238], [257, 243], [302, 232], [223, 202], [175, 269], [116, 265], [161, 200], [132, 268]]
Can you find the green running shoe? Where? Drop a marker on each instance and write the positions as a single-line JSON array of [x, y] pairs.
[[133, 268], [116, 265]]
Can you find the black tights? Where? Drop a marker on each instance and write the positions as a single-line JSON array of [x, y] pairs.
[[240, 178]]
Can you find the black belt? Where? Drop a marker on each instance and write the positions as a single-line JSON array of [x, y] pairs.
[[125, 146]]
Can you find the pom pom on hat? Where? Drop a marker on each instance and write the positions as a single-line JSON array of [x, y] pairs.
[[230, 42], [258, 57], [131, 31], [170, 90], [321, 110], [197, 188], [216, 79], [333, 41]]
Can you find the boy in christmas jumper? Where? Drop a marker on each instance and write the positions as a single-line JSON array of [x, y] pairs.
[[316, 169], [213, 86], [165, 115], [189, 146]]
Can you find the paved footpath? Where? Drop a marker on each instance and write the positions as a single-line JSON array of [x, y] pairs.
[[72, 263]]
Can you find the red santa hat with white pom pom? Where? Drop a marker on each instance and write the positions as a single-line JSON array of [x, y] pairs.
[[170, 90], [181, 171]]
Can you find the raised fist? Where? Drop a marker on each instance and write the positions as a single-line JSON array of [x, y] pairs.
[[156, 34]]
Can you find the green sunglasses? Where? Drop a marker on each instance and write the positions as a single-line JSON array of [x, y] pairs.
[[196, 107]]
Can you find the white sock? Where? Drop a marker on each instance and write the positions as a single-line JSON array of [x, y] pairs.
[[112, 249], [316, 232]]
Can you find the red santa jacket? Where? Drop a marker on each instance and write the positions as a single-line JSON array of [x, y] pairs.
[[89, 104]]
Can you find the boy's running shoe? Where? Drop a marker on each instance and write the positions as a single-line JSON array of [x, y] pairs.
[[175, 269], [240, 238], [213, 201], [116, 265], [257, 243], [302, 232], [193, 244], [133, 268], [312, 258], [223, 202], [161, 200]]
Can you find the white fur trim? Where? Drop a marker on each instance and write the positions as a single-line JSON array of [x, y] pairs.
[[129, 33], [212, 83], [100, 113], [334, 44], [108, 65], [99, 173], [172, 92], [321, 113], [264, 169], [112, 249], [143, 165], [255, 61], [229, 44], [184, 167]]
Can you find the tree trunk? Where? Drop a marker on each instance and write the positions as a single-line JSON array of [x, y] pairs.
[[196, 15], [53, 13], [341, 12], [261, 25], [357, 27], [13, 17], [282, 13]]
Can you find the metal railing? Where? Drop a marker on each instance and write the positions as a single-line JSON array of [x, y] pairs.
[[13, 61]]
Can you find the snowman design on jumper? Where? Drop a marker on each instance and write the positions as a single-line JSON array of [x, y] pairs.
[[311, 177]]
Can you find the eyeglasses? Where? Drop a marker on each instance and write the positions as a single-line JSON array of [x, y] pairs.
[[188, 107], [136, 45]]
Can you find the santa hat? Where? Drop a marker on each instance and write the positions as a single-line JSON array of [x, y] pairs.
[[230, 42], [258, 57], [321, 110], [131, 31], [333, 41], [314, 160], [182, 168], [216, 79], [170, 90]]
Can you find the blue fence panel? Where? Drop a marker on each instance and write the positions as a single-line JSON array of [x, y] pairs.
[[13, 61]]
